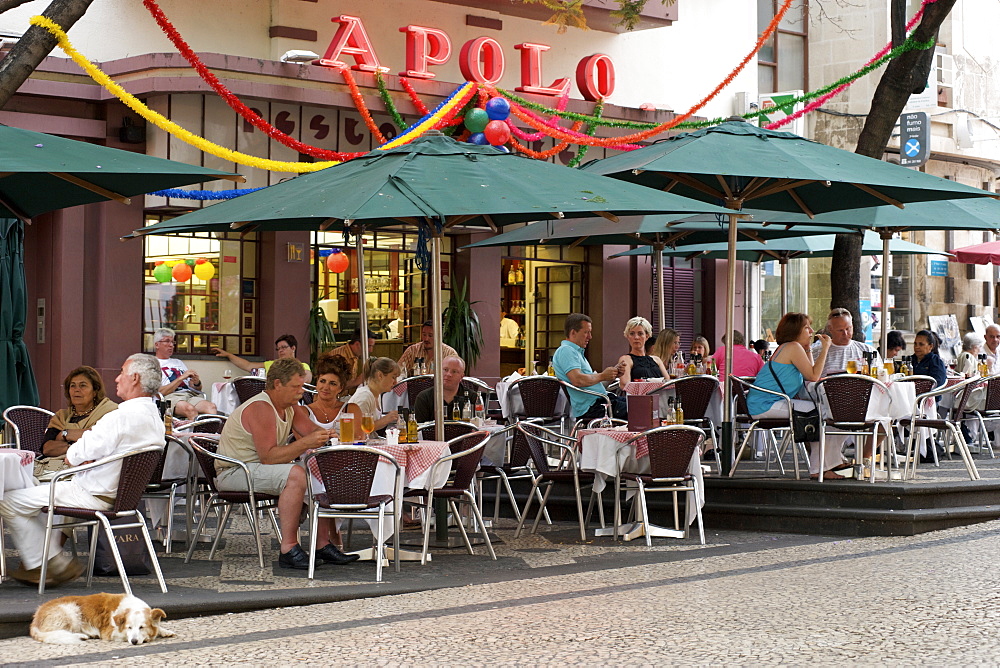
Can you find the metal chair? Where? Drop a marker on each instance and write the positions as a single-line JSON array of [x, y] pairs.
[[29, 424], [949, 425], [990, 412], [415, 385], [596, 423], [695, 394], [515, 467], [670, 451], [464, 460], [566, 470], [308, 394], [845, 413], [921, 385], [205, 424], [539, 398], [740, 387], [137, 468], [252, 502], [159, 487], [473, 384], [248, 387], [347, 473], [452, 430]]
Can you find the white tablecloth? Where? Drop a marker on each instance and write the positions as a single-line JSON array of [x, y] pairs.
[[224, 397], [16, 468], [713, 412], [598, 452]]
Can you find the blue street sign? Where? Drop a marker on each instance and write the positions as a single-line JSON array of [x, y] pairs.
[[914, 139]]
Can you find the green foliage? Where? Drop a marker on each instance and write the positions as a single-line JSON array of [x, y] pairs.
[[569, 13], [320, 334], [461, 326]]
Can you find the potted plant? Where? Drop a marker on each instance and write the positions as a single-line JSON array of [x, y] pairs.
[[461, 326], [321, 337]]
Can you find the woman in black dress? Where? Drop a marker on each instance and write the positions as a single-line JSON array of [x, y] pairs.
[[639, 365]]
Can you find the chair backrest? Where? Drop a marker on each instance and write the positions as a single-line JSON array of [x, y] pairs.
[[417, 384], [615, 422], [204, 448], [848, 395], [738, 388], [671, 449], [467, 451], [308, 395], [206, 424], [248, 387], [538, 437], [520, 453], [695, 393], [473, 384], [347, 473], [962, 397], [452, 430], [137, 470], [921, 384], [992, 394], [29, 424], [539, 395]]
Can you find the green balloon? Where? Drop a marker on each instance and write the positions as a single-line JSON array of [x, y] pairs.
[[476, 120], [162, 273]]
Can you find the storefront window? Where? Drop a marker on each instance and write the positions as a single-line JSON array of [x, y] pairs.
[[900, 296], [783, 67], [203, 286]]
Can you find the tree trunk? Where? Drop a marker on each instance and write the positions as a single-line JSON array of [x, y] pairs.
[[35, 45], [903, 76]]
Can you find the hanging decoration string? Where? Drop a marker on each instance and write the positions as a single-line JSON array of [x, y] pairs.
[[589, 130], [359, 102], [204, 195], [164, 123], [542, 155], [442, 114], [390, 106], [417, 102], [538, 136], [616, 146]]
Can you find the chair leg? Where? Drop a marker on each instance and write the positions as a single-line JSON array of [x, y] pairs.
[[49, 528], [168, 540], [109, 531], [223, 521], [486, 536], [193, 540], [527, 507], [461, 526], [739, 453], [697, 506], [252, 518], [617, 520], [313, 530], [379, 542], [641, 492], [152, 551], [579, 505], [92, 555], [541, 508], [503, 479], [428, 512], [3, 556]]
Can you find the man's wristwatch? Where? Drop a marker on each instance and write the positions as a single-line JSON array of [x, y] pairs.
[[65, 435]]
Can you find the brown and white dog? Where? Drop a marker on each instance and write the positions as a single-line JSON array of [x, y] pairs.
[[116, 617]]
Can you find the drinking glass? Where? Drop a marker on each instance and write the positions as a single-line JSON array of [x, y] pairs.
[[346, 428], [890, 368], [367, 424], [605, 422], [227, 374], [852, 366]]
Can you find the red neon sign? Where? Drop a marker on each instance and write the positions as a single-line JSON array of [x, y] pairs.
[[425, 47]]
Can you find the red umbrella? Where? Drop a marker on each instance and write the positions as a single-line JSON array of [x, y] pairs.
[[988, 253]]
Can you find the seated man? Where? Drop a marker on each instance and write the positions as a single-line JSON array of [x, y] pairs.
[[258, 433], [423, 350], [572, 367], [180, 386], [843, 347], [351, 351], [135, 424], [453, 369]]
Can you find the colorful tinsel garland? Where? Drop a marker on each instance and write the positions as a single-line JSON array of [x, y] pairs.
[[204, 195], [390, 106]]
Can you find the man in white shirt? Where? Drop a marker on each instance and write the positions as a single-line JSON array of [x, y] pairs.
[[843, 347], [509, 329], [992, 347], [135, 424], [179, 385]]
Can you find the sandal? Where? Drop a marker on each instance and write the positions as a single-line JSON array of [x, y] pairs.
[[827, 475]]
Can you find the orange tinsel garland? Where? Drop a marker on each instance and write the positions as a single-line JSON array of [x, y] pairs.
[[541, 155], [359, 102]]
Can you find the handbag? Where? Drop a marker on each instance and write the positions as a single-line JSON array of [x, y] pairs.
[[805, 424], [131, 548]]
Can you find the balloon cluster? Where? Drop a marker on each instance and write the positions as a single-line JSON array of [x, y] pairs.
[[182, 270], [489, 125]]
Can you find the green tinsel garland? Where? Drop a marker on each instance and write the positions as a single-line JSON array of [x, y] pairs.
[[589, 131], [383, 92]]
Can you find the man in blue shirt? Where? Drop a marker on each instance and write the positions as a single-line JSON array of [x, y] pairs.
[[572, 366]]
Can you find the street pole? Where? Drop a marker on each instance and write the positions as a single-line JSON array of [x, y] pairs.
[[362, 303], [661, 301], [727, 404]]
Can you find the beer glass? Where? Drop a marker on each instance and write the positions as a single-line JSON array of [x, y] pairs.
[[346, 428], [852, 366]]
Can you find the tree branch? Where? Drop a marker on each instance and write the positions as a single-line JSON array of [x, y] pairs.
[[11, 4]]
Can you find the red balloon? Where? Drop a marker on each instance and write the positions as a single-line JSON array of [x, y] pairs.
[[182, 272], [497, 133], [337, 262]]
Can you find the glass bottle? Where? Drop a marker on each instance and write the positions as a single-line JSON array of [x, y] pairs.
[[168, 420], [511, 276], [401, 425], [480, 409], [551, 371], [678, 412], [456, 409], [669, 416], [692, 368], [467, 410], [984, 368], [411, 428], [519, 275]]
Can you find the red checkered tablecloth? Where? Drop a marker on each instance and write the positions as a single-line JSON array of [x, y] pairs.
[[641, 445], [639, 387], [413, 462]]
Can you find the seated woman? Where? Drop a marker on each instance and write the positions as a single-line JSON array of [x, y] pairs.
[[380, 376], [84, 391], [668, 344], [968, 361], [895, 345], [926, 361], [789, 367], [284, 346], [640, 365], [699, 346]]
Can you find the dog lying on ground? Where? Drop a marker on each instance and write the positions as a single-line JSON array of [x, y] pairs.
[[115, 617]]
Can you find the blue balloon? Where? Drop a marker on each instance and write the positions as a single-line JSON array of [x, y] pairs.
[[478, 138], [498, 109], [502, 149]]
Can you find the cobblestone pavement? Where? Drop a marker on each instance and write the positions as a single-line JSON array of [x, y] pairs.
[[928, 599]]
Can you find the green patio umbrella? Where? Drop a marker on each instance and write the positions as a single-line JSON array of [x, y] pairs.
[[784, 249], [434, 183], [41, 173], [18, 381], [737, 163]]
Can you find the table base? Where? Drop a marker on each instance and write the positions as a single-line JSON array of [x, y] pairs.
[[637, 530]]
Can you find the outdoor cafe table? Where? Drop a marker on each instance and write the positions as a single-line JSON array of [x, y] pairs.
[[641, 387], [16, 468], [601, 452], [224, 397]]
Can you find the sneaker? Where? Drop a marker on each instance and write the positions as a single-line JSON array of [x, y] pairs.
[[331, 555], [296, 558]]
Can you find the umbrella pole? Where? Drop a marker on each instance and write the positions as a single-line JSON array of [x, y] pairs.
[[661, 301], [436, 308], [362, 303], [727, 405], [884, 324], [784, 285]]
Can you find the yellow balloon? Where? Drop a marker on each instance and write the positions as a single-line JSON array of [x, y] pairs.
[[204, 271], [172, 263]]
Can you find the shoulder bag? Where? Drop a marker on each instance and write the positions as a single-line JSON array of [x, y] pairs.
[[805, 424]]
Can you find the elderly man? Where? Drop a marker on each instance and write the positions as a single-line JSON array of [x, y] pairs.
[[992, 348], [572, 366], [424, 349], [453, 369], [180, 386], [257, 433], [351, 351], [843, 347], [135, 424]]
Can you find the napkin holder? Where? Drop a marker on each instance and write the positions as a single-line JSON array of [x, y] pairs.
[[642, 409]]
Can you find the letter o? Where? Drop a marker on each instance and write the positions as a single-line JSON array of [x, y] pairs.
[[595, 77], [481, 60]]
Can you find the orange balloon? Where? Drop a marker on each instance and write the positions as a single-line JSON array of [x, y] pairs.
[[181, 272]]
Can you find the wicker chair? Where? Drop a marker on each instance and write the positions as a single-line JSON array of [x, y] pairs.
[[990, 412], [695, 394], [845, 413], [29, 424], [567, 471], [166, 488], [415, 385], [539, 398], [252, 502], [347, 472], [950, 425], [740, 387], [248, 387], [452, 430], [670, 452], [205, 424], [137, 468], [515, 467], [466, 451]]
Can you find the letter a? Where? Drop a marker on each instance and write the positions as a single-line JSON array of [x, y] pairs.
[[351, 40]]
